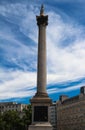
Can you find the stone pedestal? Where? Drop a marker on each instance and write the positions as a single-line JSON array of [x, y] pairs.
[[40, 113], [41, 126]]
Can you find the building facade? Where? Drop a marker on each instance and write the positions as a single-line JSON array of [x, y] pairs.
[[9, 106], [53, 115], [71, 112]]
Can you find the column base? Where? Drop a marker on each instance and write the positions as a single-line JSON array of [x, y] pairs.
[[41, 126]]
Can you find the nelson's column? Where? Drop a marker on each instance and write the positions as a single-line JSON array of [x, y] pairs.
[[41, 101]]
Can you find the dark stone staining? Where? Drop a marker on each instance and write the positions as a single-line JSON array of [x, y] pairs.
[[42, 20], [41, 113]]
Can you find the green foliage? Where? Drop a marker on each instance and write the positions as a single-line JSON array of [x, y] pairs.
[[11, 120], [27, 115]]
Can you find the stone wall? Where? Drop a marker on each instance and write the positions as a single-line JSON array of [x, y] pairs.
[[71, 113]]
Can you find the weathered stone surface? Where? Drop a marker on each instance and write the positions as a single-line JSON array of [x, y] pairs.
[[71, 113]]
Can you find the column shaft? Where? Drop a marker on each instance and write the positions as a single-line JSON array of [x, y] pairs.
[[41, 74]]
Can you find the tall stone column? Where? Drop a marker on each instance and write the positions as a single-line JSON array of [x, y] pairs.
[[41, 101], [42, 22]]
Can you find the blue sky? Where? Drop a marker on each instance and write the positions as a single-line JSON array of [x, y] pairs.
[[18, 48]]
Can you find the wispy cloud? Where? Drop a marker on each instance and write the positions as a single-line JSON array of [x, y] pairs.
[[17, 83], [66, 45], [65, 50]]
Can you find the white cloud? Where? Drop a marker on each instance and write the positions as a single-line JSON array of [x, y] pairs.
[[62, 90], [17, 52], [66, 62], [16, 83], [65, 53], [23, 15]]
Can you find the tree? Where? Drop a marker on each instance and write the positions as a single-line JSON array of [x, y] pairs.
[[2, 123], [11, 120], [27, 118]]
